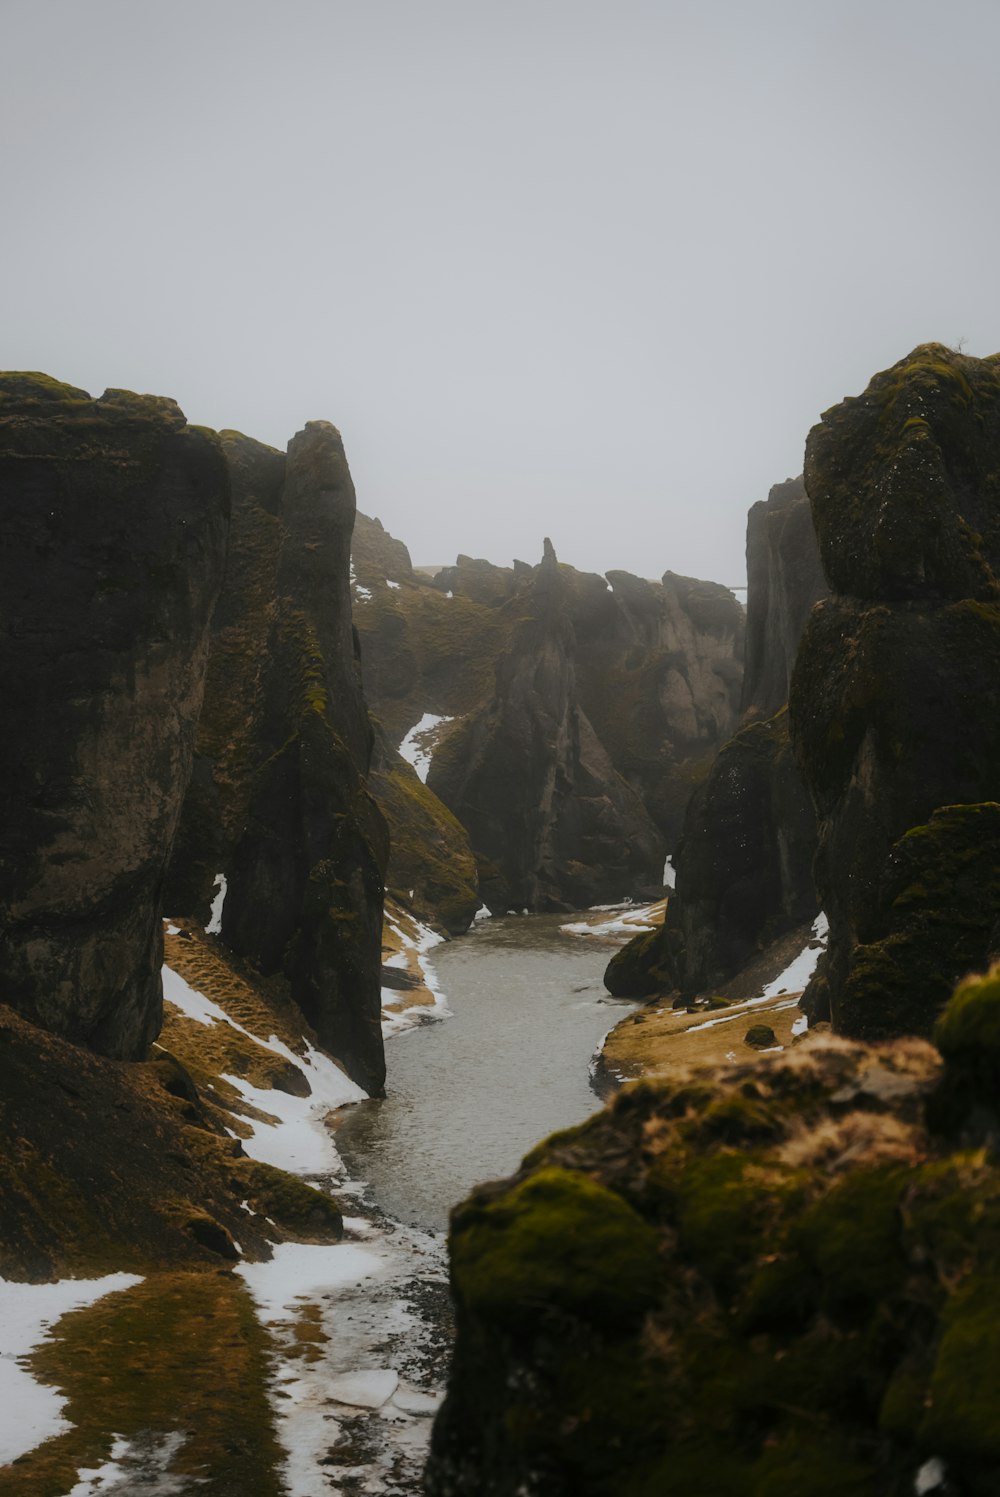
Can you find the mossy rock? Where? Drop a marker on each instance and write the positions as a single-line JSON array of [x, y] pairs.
[[557, 1239]]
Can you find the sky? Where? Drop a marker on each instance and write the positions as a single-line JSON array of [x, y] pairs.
[[580, 268]]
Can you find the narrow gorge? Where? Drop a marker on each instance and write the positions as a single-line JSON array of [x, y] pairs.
[[339, 894]]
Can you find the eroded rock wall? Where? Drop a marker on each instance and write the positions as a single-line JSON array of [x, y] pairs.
[[279, 799], [530, 781], [115, 520], [895, 703]]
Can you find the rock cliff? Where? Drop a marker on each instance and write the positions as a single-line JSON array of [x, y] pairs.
[[115, 519], [279, 800], [743, 865], [529, 779], [655, 673], [784, 579], [775, 1279], [895, 703]]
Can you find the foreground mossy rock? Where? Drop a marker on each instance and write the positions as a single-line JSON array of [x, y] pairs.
[[279, 800], [115, 514], [743, 871], [895, 700], [765, 1281]]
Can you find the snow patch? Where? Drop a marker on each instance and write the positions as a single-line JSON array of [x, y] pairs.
[[368, 1389], [482, 914], [393, 585], [930, 1477], [214, 926], [417, 748], [362, 592], [669, 877], [420, 1013], [798, 972], [29, 1411]]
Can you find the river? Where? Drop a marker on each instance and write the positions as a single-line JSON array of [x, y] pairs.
[[467, 1098]]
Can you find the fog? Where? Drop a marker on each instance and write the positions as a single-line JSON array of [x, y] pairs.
[[554, 267]]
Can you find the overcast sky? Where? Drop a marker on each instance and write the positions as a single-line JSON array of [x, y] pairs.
[[579, 268]]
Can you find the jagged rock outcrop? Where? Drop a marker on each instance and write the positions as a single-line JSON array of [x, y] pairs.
[[279, 800], [775, 1279], [656, 670], [744, 871], [784, 579], [895, 704], [529, 780], [115, 519], [743, 866]]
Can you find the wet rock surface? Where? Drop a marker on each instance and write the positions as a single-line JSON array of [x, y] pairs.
[[895, 703], [279, 798], [115, 520]]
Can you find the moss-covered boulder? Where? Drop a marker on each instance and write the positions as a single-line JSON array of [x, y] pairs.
[[773, 1280], [115, 515]]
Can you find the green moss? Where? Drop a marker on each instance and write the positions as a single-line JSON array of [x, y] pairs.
[[177, 1353], [962, 1416], [560, 1240], [292, 1203], [968, 1032], [852, 1237]]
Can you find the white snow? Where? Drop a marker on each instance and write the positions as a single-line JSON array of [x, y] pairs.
[[930, 1477], [393, 585], [214, 926], [801, 1025], [30, 1412], [362, 592], [299, 1270], [417, 748], [482, 913], [298, 1140], [449, 594], [668, 873], [798, 972], [420, 1013], [368, 1389], [142, 1463]]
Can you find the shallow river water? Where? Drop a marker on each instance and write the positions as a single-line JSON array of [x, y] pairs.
[[467, 1098]]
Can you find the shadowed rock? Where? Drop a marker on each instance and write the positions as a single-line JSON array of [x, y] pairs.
[[115, 518]]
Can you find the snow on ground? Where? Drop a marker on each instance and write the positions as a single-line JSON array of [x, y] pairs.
[[668, 874], [136, 1465], [417, 748], [297, 1138], [29, 1411], [214, 926], [416, 942], [366, 1385], [636, 920], [393, 585], [792, 980]]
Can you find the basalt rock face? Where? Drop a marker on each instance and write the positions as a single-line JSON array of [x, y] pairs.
[[115, 520], [279, 798], [655, 674], [895, 701], [530, 781], [784, 579], [743, 870], [743, 866], [776, 1278]]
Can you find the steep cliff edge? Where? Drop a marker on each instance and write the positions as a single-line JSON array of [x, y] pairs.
[[655, 670], [528, 778], [784, 580], [895, 703], [115, 519], [743, 864], [778, 1279], [279, 800]]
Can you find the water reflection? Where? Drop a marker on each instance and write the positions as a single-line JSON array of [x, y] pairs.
[[466, 1099]]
